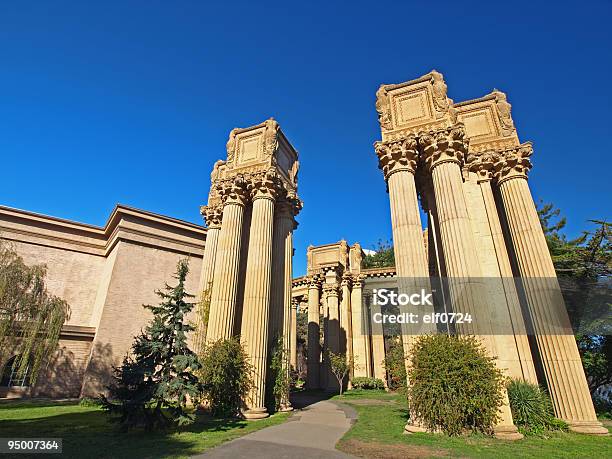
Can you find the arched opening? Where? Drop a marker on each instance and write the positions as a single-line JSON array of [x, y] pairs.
[[11, 376]]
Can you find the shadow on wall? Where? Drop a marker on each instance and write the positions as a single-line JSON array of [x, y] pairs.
[[99, 371], [61, 377]]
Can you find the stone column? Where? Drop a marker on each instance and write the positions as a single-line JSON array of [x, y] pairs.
[[332, 336], [561, 362], [213, 221], [398, 160], [227, 262], [378, 347], [483, 167], [293, 336], [444, 151], [314, 343], [346, 319], [361, 346], [257, 290]]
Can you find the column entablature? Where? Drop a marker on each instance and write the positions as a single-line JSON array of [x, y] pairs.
[[513, 163]]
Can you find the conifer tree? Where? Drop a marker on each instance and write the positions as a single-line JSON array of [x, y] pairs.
[[152, 386]]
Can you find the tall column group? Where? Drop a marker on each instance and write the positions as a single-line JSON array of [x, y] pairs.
[[484, 231], [248, 254]]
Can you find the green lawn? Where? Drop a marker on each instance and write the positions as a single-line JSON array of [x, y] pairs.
[[378, 433], [87, 433]]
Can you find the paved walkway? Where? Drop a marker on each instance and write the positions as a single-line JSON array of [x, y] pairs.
[[312, 432]]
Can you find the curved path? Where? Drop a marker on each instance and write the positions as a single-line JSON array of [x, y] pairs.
[[310, 433]]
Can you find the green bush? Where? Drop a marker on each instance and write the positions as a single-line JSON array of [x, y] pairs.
[[395, 364], [454, 385], [363, 382], [531, 408], [226, 376]]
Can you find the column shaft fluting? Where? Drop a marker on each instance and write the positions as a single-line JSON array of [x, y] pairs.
[[293, 337], [346, 321], [559, 354], [206, 280], [257, 300], [225, 278], [314, 343], [512, 299], [361, 347], [443, 158]]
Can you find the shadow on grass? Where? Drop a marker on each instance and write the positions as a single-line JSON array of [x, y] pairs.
[[87, 432]]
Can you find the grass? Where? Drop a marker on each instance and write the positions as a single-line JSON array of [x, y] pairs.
[[378, 433], [86, 431]]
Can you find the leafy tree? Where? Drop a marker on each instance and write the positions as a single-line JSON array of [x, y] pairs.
[[339, 367], [226, 376], [384, 256], [31, 319], [584, 268], [152, 387]]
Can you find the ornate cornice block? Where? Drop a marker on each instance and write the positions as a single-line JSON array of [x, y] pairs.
[[413, 106], [488, 122]]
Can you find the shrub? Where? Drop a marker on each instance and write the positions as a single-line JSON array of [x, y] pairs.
[[531, 408], [363, 382], [395, 364], [281, 375], [454, 385], [226, 376]]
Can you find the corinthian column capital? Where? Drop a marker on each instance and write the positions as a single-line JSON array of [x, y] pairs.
[[212, 215], [513, 163], [446, 145], [232, 190], [482, 164], [330, 289], [398, 155], [264, 185]]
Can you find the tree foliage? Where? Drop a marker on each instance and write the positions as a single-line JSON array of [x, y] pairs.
[[395, 364], [339, 367], [31, 319], [584, 268], [153, 385], [454, 385], [383, 257], [226, 376], [279, 365]]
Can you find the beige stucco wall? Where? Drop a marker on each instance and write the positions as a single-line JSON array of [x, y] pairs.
[[106, 275], [71, 275]]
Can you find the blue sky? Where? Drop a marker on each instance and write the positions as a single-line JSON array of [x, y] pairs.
[[132, 102]]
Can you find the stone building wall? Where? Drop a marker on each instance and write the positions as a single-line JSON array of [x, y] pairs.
[[105, 274]]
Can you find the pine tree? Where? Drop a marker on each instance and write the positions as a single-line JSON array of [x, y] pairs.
[[151, 388]]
